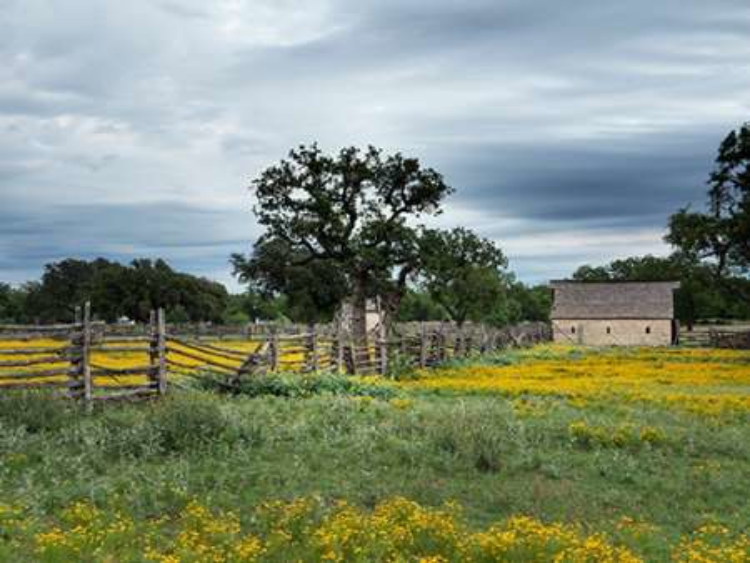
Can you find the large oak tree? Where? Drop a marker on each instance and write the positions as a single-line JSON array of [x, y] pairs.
[[352, 213]]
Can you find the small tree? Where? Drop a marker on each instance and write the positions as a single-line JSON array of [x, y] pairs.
[[348, 214], [463, 272]]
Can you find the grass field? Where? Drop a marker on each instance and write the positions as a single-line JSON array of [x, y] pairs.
[[546, 454]]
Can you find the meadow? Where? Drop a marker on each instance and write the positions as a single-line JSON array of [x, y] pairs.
[[546, 454]]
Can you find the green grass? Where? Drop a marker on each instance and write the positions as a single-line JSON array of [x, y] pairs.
[[337, 440]]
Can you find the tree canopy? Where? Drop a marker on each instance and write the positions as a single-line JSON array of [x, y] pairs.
[[462, 272], [349, 215], [116, 290]]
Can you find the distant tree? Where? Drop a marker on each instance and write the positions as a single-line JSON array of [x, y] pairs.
[[349, 214], [116, 290], [419, 306], [535, 302], [720, 236], [462, 272], [12, 303], [252, 306]]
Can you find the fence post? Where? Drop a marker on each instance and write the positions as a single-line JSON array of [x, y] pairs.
[[314, 349], [383, 353], [153, 347], [339, 346], [86, 354], [355, 355], [422, 345], [273, 348], [161, 351]]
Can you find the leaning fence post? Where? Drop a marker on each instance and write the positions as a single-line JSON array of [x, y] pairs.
[[422, 345]]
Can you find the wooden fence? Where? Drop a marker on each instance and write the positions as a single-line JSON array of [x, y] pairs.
[[64, 357], [93, 361], [733, 335]]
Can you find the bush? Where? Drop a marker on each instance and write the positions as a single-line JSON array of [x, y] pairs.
[[484, 436], [36, 411], [187, 422], [300, 386], [622, 436], [401, 367]]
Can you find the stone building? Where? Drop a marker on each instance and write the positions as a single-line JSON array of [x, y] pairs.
[[614, 313]]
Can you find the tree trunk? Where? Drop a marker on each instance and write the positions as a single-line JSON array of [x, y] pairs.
[[359, 313]]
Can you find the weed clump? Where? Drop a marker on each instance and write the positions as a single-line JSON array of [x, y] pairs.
[[295, 386]]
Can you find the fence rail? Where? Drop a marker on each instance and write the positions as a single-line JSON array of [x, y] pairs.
[[735, 335]]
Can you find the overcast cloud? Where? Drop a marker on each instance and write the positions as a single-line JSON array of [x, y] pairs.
[[570, 130]]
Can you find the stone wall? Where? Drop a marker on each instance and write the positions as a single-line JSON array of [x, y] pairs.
[[613, 332]]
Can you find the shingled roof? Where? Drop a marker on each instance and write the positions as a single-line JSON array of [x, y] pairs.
[[613, 300]]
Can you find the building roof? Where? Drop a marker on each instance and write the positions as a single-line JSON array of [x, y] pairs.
[[613, 300]]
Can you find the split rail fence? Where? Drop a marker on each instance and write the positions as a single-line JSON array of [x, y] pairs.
[[735, 336], [92, 361]]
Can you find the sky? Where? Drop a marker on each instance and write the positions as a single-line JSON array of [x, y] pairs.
[[569, 130]]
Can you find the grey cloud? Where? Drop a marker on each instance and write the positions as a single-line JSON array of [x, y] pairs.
[[194, 238], [552, 119]]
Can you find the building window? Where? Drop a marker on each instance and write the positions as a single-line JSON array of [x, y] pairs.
[[609, 330], [572, 330], [648, 330]]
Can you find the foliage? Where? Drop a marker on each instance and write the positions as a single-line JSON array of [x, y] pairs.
[[665, 377], [297, 386], [34, 411], [462, 272], [117, 290], [252, 306], [721, 235], [520, 303], [418, 305], [400, 366], [345, 215], [307, 530], [312, 290], [11, 304], [307, 475]]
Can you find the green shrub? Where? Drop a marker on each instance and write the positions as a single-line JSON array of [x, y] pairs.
[[187, 422], [36, 411], [401, 367], [484, 436], [299, 386]]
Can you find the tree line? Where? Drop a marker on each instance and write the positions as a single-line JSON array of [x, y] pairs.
[[128, 292], [116, 292], [349, 227]]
